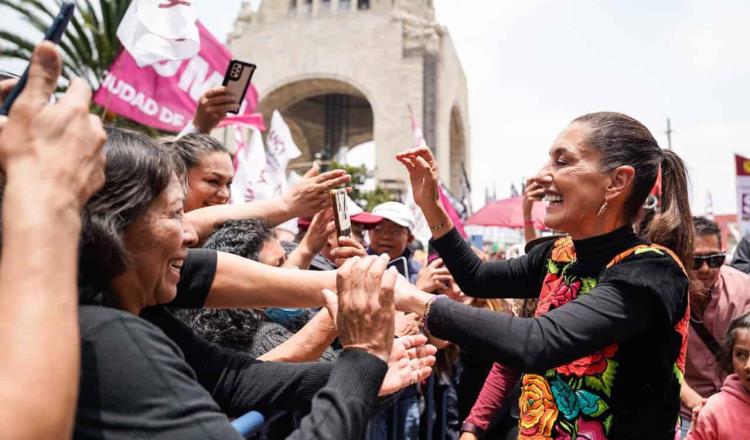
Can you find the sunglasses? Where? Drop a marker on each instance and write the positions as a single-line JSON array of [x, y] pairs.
[[714, 261]]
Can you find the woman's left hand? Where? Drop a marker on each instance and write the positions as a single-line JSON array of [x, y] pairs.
[[411, 362]]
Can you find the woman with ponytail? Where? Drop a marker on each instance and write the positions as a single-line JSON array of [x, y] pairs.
[[604, 354]]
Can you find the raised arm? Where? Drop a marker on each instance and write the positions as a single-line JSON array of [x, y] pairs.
[[512, 279], [306, 198], [51, 157]]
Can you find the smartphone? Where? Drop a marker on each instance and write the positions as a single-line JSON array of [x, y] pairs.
[[340, 213], [54, 34], [401, 266], [237, 80]]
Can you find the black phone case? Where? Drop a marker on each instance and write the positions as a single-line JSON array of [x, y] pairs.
[[234, 74]]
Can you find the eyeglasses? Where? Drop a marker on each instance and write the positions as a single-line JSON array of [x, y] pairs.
[[393, 230], [714, 261]]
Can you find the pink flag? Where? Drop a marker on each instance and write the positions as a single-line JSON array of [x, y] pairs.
[[451, 211], [165, 95]]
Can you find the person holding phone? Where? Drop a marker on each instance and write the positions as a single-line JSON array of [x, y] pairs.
[[51, 163]]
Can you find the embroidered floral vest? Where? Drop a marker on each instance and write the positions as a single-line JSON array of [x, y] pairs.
[[573, 401]]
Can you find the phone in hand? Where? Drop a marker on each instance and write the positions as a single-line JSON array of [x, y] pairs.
[[237, 80], [401, 266], [53, 34], [340, 212]]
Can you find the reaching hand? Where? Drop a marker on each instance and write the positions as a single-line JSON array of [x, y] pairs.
[[423, 175], [433, 277], [347, 248], [410, 362], [213, 106], [406, 324], [311, 194], [321, 226], [366, 311], [57, 145]]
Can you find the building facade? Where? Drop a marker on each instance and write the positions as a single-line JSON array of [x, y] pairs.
[[343, 72]]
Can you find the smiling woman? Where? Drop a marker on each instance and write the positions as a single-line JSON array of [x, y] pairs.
[[208, 167], [144, 374], [604, 354]]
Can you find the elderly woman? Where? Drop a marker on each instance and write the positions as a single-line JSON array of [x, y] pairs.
[[604, 355], [147, 375], [209, 174]]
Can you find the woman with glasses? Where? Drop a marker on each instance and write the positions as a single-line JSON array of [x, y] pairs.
[[603, 356], [726, 296]]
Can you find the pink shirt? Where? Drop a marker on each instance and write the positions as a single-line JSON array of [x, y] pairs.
[[726, 415], [730, 298]]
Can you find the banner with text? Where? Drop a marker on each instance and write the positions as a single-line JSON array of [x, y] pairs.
[[165, 95], [743, 192]]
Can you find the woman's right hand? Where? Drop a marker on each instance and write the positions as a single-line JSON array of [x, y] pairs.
[[468, 436], [423, 175], [365, 305], [57, 145], [312, 193]]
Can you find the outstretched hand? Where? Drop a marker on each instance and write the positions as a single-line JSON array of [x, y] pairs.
[[366, 310], [423, 175], [311, 193], [433, 277], [410, 362]]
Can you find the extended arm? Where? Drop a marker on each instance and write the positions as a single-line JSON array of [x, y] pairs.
[[514, 278], [52, 163], [308, 344]]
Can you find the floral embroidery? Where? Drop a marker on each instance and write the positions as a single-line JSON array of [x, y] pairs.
[[574, 398], [538, 409], [589, 365]]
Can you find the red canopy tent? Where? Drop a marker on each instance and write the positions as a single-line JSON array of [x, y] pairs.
[[507, 213]]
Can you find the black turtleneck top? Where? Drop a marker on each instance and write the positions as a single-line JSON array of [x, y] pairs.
[[636, 303], [628, 298]]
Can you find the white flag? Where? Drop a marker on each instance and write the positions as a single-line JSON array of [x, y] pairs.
[[281, 149], [250, 179], [158, 30]]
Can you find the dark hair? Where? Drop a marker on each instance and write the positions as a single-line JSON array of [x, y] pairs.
[[137, 170], [241, 237], [706, 226], [737, 324], [622, 140], [231, 328], [188, 149]]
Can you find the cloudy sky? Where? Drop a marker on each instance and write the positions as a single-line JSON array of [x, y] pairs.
[[534, 65]]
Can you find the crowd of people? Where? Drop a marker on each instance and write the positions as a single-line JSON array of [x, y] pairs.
[[138, 302]]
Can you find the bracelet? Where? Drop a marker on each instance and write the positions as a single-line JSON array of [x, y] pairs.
[[528, 222], [437, 226]]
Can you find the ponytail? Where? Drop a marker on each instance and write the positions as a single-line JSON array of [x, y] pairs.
[[673, 226]]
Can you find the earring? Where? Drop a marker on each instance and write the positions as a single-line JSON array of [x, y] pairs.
[[602, 209]]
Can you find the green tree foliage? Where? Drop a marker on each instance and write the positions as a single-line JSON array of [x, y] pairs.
[[89, 45], [365, 199]]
